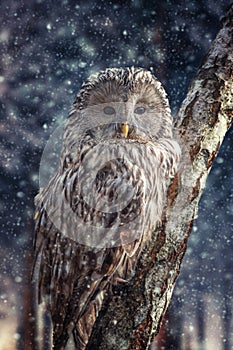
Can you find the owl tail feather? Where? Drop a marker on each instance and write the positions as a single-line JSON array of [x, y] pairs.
[[83, 329], [78, 321]]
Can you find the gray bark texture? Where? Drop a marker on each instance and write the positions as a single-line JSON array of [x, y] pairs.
[[132, 313]]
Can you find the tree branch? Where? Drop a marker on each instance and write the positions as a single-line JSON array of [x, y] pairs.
[[131, 316]]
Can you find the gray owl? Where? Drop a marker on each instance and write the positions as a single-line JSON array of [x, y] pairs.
[[100, 207]]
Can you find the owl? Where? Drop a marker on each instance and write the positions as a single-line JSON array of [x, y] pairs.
[[99, 209]]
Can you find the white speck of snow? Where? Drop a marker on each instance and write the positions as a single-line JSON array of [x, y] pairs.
[[16, 336], [20, 194], [18, 279]]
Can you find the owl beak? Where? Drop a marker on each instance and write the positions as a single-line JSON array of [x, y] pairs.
[[125, 129]]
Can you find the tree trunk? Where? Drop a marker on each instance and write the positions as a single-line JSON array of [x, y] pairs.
[[27, 324], [132, 314], [201, 323], [170, 334], [226, 322]]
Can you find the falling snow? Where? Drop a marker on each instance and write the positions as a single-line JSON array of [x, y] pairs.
[[47, 50]]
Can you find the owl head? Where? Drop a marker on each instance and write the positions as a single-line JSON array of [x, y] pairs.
[[128, 104]]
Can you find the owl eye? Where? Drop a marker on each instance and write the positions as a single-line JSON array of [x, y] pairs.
[[109, 110], [140, 110]]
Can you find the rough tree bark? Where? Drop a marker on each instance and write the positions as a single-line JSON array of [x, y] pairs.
[[132, 314]]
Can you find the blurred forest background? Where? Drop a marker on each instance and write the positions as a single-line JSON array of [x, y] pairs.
[[47, 49]]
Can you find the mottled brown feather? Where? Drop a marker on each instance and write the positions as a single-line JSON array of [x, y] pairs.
[[74, 274]]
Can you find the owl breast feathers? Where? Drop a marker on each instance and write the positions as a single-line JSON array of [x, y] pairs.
[[105, 199]]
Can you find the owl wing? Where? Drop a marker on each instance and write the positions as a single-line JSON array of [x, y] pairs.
[[72, 275]]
